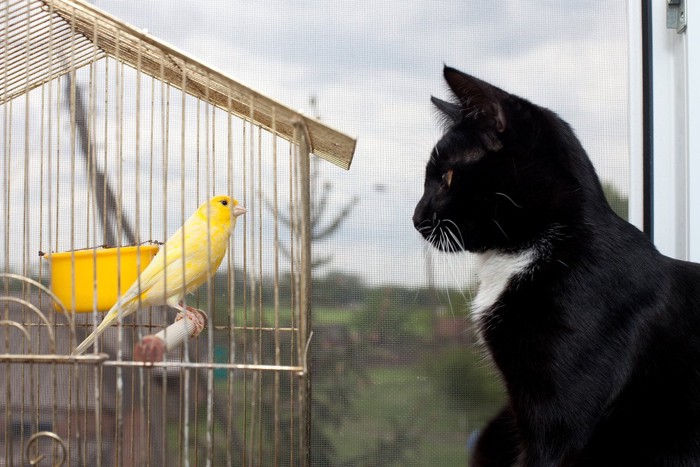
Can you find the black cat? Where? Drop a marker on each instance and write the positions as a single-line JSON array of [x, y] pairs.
[[596, 334]]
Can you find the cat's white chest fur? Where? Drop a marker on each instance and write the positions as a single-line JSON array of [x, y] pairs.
[[495, 271]]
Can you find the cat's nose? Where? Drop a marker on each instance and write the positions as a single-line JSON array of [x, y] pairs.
[[417, 216], [420, 215], [416, 220]]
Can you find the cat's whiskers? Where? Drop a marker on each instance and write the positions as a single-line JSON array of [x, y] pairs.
[[501, 229], [432, 235], [444, 236], [453, 265], [433, 243], [446, 246], [423, 228], [509, 199], [458, 241], [430, 239], [450, 265], [453, 261]]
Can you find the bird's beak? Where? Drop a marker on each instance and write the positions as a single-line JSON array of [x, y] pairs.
[[238, 210]]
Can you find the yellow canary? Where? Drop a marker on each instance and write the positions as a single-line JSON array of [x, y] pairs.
[[162, 282]]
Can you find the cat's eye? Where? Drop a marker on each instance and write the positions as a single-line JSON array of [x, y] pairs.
[[446, 180]]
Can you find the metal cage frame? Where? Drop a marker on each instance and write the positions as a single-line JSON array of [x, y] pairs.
[[48, 40]]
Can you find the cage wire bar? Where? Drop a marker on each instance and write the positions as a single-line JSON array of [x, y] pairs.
[[112, 138]]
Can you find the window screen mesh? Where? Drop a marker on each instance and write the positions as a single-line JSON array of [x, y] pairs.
[[397, 377]]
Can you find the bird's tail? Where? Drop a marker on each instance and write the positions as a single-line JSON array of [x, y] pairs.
[[111, 315]]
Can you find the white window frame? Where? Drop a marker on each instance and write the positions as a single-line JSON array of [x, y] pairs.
[[676, 129], [692, 35]]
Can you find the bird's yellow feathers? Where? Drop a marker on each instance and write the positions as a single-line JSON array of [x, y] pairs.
[[222, 210], [189, 243], [186, 261]]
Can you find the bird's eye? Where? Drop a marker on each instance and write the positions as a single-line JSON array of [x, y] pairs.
[[224, 202]]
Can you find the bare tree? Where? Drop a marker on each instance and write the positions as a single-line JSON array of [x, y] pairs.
[[324, 223]]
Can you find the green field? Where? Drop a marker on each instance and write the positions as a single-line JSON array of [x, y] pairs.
[[388, 389], [418, 399], [400, 418]]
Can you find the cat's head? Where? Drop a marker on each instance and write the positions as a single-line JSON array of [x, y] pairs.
[[504, 174]]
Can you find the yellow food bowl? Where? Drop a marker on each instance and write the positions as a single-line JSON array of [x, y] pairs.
[[108, 263]]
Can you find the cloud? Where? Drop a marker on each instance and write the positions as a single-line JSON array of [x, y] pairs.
[[373, 65]]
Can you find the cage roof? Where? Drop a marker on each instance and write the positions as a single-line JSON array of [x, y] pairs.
[[45, 39]]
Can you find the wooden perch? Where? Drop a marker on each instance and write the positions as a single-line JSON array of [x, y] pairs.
[[153, 348]]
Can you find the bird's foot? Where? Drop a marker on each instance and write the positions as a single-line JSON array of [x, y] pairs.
[[198, 317], [151, 349]]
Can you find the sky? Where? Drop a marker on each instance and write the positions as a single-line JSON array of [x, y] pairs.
[[372, 67]]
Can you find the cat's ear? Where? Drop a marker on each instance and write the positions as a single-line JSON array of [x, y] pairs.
[[480, 100], [452, 112]]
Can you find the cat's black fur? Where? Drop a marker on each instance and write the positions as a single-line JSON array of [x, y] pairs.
[[598, 338]]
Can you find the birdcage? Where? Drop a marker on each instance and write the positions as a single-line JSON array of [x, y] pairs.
[[110, 140]]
